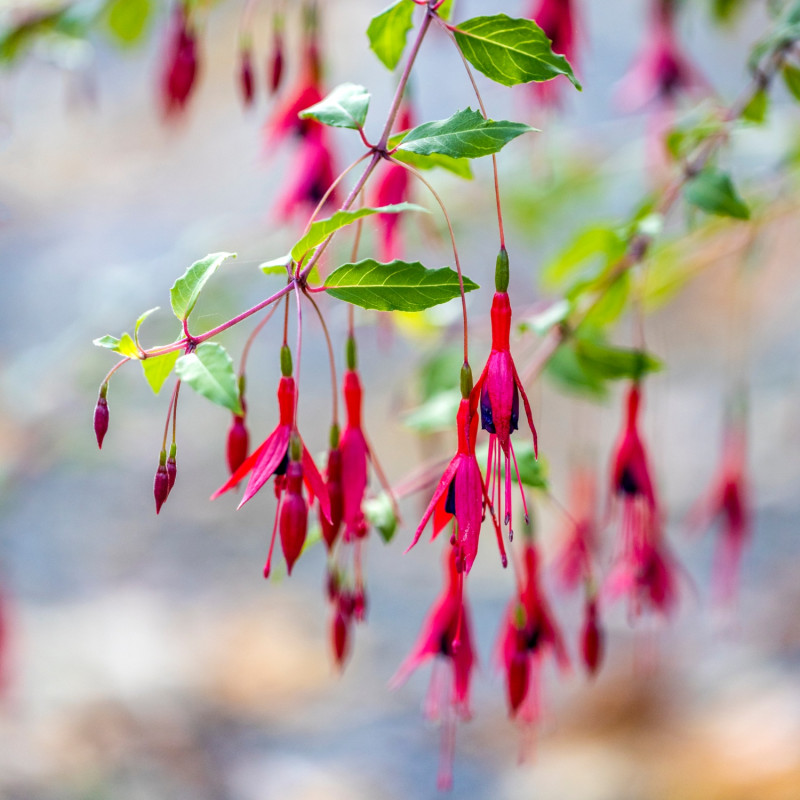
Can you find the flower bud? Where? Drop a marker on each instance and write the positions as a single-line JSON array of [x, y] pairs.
[[238, 443], [172, 468], [161, 482], [330, 529], [294, 515], [275, 72], [246, 76], [592, 639], [340, 636], [518, 676], [101, 416]]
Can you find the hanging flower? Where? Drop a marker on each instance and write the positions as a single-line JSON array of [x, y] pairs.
[[446, 636], [574, 559], [180, 63], [355, 453], [592, 637], [557, 18]]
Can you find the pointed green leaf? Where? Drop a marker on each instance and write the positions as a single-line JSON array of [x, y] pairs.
[[185, 291], [756, 110], [458, 166], [209, 371], [109, 342], [791, 77], [127, 347], [713, 191], [511, 51], [380, 513], [464, 135], [388, 32], [607, 362], [345, 107], [396, 286], [127, 19], [277, 266], [323, 228], [139, 321], [158, 368]]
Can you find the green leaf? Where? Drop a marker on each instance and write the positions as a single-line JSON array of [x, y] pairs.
[[345, 107], [585, 258], [445, 10], [791, 77], [209, 371], [607, 362], [511, 51], [396, 286], [127, 19], [611, 304], [532, 471], [323, 228], [278, 266], [436, 414], [139, 321], [158, 368], [554, 314], [441, 371], [380, 512], [458, 166], [568, 371], [464, 135], [388, 32], [712, 191], [109, 342], [185, 291], [756, 110]]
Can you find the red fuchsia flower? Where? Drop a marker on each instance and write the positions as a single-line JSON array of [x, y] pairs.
[[238, 443], [355, 453], [499, 389], [161, 482], [275, 66], [573, 563], [392, 186], [660, 72], [592, 637], [180, 64], [310, 177], [557, 19], [727, 502], [446, 636], [271, 457], [293, 516], [333, 483], [101, 416], [246, 78], [644, 569], [461, 492], [529, 635]]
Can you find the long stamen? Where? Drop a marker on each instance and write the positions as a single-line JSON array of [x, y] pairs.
[[519, 483], [268, 564]]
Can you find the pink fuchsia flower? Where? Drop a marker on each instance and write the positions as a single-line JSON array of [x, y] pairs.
[[355, 453], [592, 637], [461, 493], [727, 502], [246, 77], [293, 516], [573, 563], [446, 636], [310, 176], [499, 389], [660, 72], [333, 483], [180, 62], [557, 18], [528, 636], [238, 443], [644, 570]]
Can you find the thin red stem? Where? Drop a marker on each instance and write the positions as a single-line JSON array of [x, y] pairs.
[[331, 358]]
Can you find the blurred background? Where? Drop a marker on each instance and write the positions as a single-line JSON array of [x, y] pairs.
[[146, 657]]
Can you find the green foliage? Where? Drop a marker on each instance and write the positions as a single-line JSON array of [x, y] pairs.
[[345, 107], [139, 322], [388, 31], [396, 286], [756, 110], [511, 51], [436, 414], [542, 321], [185, 291], [713, 191], [458, 166], [125, 345], [158, 368], [128, 19], [321, 229], [791, 77], [464, 135], [380, 513], [209, 371]]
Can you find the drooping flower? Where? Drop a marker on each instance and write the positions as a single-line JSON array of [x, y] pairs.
[[355, 453], [333, 483], [275, 66], [446, 636], [461, 493], [592, 637], [246, 77], [238, 443], [557, 18], [293, 515], [180, 62], [528, 636], [573, 561], [101, 416], [727, 502], [660, 72], [161, 482], [499, 389], [644, 570]]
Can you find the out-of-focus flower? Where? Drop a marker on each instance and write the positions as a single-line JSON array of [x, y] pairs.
[[557, 18], [573, 561], [246, 77], [181, 60], [592, 637]]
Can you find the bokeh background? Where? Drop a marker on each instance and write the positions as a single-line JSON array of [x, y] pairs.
[[145, 657]]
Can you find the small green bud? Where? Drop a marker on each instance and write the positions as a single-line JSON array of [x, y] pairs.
[[295, 448], [352, 353], [334, 436], [466, 380], [286, 362], [501, 271]]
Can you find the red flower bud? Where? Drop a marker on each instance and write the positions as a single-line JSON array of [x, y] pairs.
[[238, 442], [161, 482], [333, 480], [340, 637], [294, 515], [276, 64], [181, 64], [592, 639], [172, 469], [246, 76], [517, 674], [101, 417]]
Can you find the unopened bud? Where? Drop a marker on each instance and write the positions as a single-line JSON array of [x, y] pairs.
[[101, 416], [592, 639], [275, 71], [286, 362], [501, 271], [466, 380], [161, 481], [238, 443], [294, 516], [340, 638], [333, 482], [518, 677], [172, 467]]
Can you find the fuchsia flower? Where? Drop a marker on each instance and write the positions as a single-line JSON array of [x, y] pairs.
[[529, 634], [446, 635], [293, 516], [592, 638], [557, 19], [461, 493], [727, 501], [499, 389], [660, 72], [573, 563], [237, 444], [180, 63], [333, 483], [355, 453], [246, 78], [644, 569]]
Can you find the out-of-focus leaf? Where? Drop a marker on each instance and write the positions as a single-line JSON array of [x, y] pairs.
[[756, 110], [542, 321], [437, 413], [713, 191], [388, 31], [128, 19], [380, 513]]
